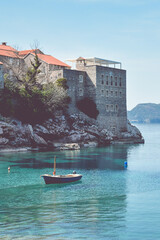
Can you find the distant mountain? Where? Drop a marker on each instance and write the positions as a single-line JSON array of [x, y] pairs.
[[145, 113]]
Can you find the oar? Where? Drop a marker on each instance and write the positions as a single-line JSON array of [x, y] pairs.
[[54, 173]]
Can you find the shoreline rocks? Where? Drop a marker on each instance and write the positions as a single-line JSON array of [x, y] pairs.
[[59, 134]]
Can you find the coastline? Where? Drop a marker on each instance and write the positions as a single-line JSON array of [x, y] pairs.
[[61, 133]]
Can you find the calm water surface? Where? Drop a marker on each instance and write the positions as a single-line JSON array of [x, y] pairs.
[[110, 202]]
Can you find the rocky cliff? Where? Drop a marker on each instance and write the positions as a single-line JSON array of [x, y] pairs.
[[60, 133]]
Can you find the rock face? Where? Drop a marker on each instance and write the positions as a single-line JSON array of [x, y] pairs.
[[60, 133]]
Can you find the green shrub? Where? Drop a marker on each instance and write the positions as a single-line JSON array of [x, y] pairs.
[[62, 82]]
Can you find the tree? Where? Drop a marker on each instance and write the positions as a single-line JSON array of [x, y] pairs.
[[28, 100]]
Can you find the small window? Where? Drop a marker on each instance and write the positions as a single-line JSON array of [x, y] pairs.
[[81, 78], [102, 82], [116, 83], [116, 107], [120, 82], [102, 92], [112, 107], [120, 93], [107, 82], [111, 81], [107, 107], [107, 93], [116, 93], [80, 92], [111, 93], [102, 76]]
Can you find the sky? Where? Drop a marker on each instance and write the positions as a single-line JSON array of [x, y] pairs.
[[127, 31]]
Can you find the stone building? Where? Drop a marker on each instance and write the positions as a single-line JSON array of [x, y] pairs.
[[16, 62], [1, 76], [48, 65], [101, 80]]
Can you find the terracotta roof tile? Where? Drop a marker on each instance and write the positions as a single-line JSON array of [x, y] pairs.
[[7, 53], [7, 48], [25, 52], [51, 60]]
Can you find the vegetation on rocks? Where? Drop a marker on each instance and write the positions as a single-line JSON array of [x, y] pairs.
[[28, 101]]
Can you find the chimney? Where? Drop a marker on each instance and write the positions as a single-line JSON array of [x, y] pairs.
[[4, 43]]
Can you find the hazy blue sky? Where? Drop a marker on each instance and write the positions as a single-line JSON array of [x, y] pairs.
[[122, 30]]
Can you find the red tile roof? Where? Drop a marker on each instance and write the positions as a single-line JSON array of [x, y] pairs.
[[8, 51], [51, 60], [25, 52], [7, 48]]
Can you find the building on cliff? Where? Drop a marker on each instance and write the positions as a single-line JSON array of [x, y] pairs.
[[101, 80], [15, 62], [104, 82]]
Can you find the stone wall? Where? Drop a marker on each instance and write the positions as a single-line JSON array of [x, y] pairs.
[[12, 66], [46, 74], [111, 98], [76, 81], [106, 86]]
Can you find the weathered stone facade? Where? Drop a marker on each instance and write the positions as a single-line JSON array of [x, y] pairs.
[[46, 68], [16, 62], [92, 78], [106, 86]]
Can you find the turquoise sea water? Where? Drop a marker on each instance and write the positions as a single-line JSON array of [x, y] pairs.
[[110, 202]]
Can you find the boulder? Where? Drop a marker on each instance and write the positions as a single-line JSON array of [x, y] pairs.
[[66, 146], [29, 130], [3, 141], [133, 130], [90, 144], [39, 140]]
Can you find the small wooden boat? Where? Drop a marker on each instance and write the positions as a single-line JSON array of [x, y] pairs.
[[51, 179], [55, 179]]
